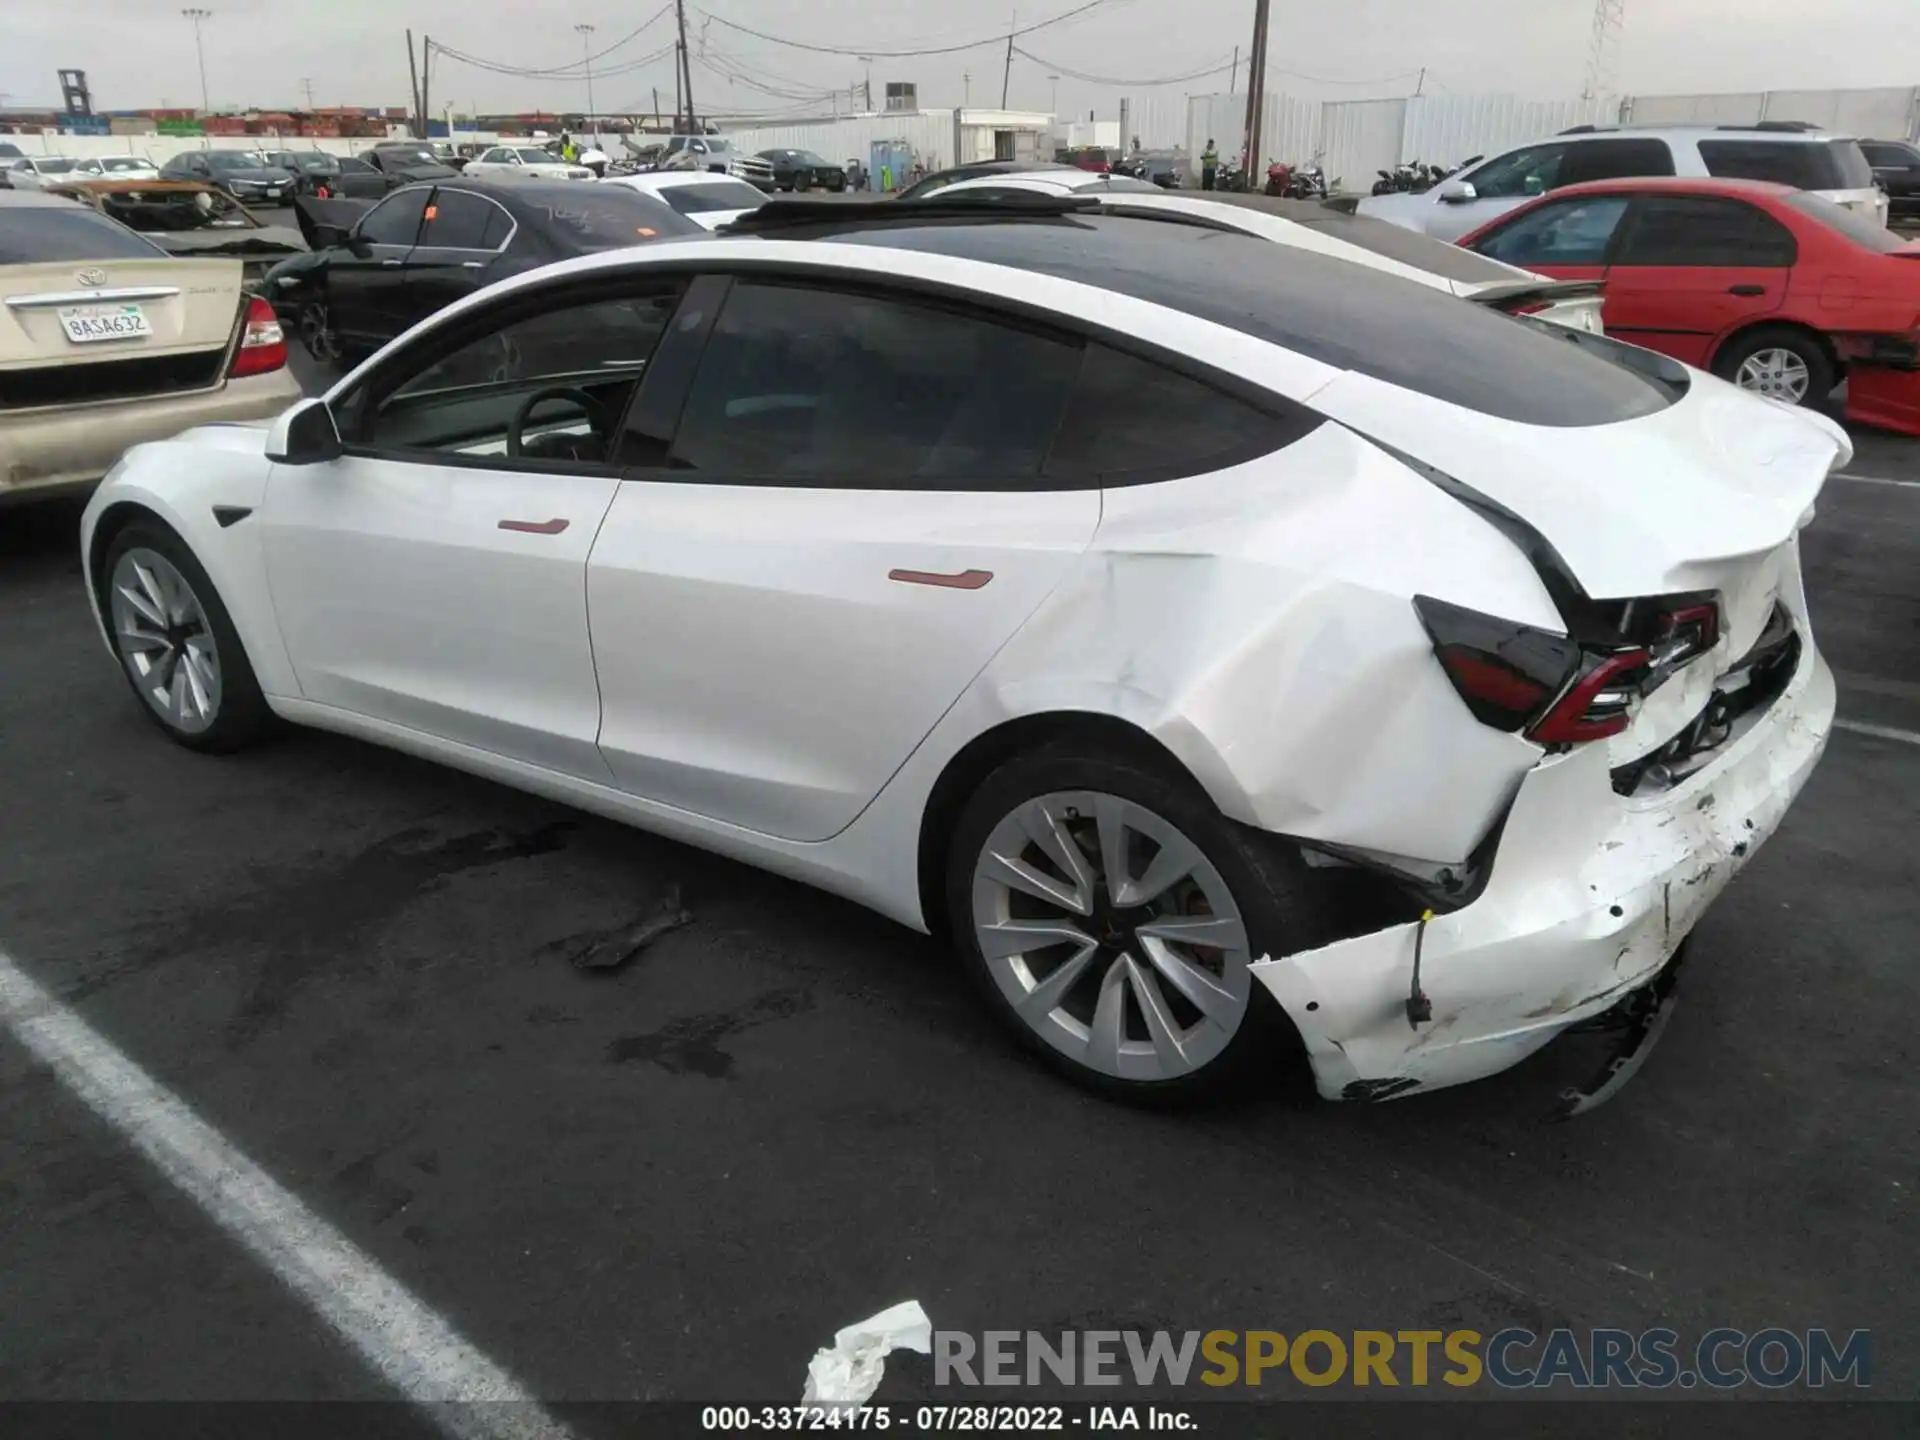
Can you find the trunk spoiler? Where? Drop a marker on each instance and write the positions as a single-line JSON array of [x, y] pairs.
[[325, 223], [1542, 290]]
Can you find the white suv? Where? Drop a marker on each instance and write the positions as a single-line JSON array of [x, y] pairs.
[[1787, 153], [718, 154]]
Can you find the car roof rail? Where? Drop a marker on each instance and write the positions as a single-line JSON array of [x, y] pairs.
[[1779, 127], [1588, 129], [967, 205]]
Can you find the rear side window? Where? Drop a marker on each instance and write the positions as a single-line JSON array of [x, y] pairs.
[[1698, 230], [1805, 165], [459, 221], [32, 234], [814, 387], [1881, 152], [1613, 160], [1856, 227], [605, 217], [1131, 420], [1564, 232]]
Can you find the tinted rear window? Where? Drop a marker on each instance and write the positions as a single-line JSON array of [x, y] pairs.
[[1382, 237], [704, 199], [1805, 165], [1344, 315], [597, 219], [1856, 227], [30, 234]]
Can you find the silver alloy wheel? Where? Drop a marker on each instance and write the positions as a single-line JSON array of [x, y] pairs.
[[1112, 935], [164, 640], [1776, 372], [316, 333]]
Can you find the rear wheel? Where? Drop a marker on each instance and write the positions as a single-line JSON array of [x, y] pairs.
[[1112, 916], [1781, 363], [317, 334], [177, 645]]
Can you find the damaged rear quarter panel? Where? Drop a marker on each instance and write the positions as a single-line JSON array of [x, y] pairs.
[[1259, 623]]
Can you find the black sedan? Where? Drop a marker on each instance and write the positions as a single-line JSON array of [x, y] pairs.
[[804, 170], [328, 176], [241, 173], [408, 163], [940, 179], [1896, 170], [375, 270]]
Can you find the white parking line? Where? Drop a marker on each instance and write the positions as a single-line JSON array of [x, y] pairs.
[[1879, 732], [1875, 480], [404, 1341]]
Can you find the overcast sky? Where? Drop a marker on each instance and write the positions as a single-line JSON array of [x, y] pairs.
[[259, 51]]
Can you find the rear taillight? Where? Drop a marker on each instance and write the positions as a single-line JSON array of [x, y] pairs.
[[1599, 703], [263, 345]]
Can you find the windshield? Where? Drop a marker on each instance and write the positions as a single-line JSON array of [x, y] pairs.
[[176, 210], [311, 162], [120, 164], [704, 199], [406, 155], [228, 160], [30, 236], [53, 166], [1857, 228], [717, 145], [608, 218], [536, 157]]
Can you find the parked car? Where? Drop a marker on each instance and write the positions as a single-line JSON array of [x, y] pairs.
[[804, 170], [1739, 278], [115, 167], [1310, 225], [1093, 158], [524, 162], [243, 175], [36, 172], [10, 151], [1831, 166], [1081, 588], [716, 153], [941, 179], [709, 200], [359, 179], [1166, 169], [315, 172], [1896, 170], [108, 341], [407, 162], [374, 271], [187, 218]]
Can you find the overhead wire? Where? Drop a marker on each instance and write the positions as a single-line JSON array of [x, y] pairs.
[[1218, 67], [573, 69], [865, 51]]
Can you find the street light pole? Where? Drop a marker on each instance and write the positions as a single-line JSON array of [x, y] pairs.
[[586, 35], [196, 15], [1056, 95]]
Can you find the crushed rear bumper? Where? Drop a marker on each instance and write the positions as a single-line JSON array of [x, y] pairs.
[[1590, 896]]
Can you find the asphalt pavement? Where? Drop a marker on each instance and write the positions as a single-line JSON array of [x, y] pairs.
[[679, 1179]]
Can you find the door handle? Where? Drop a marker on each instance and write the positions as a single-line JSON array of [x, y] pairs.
[[473, 264], [395, 264], [963, 580], [1749, 290], [535, 527]]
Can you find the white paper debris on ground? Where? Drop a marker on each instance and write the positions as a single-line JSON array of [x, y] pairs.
[[849, 1371]]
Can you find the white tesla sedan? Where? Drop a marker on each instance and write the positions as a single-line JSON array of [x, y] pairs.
[[709, 200], [523, 162], [1093, 590]]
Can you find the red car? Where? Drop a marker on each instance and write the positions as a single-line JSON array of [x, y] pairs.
[[1775, 289]]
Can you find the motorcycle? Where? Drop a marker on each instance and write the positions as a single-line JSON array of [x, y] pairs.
[[1384, 185], [1308, 182], [1279, 178]]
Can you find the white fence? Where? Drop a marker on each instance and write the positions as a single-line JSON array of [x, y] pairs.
[[1888, 113]]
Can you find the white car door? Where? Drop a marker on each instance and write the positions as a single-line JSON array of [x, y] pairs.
[[1465, 202], [434, 575], [850, 523], [494, 162]]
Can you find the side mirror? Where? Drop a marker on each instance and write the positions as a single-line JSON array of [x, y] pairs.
[[1457, 192], [304, 435], [357, 245]]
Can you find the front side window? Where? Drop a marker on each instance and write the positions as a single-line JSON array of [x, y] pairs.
[[534, 157], [497, 157], [1703, 230], [396, 219], [458, 220], [351, 166], [1613, 160], [552, 386], [1567, 232], [823, 388], [1532, 171]]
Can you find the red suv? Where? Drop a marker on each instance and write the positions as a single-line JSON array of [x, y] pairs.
[[1775, 289]]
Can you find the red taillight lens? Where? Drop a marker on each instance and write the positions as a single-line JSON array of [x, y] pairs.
[[263, 345], [1506, 672], [1599, 703]]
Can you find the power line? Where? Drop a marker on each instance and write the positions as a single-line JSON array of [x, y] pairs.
[[1213, 69], [571, 69], [858, 51]]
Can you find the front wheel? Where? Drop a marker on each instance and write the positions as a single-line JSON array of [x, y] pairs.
[[1112, 917], [177, 645], [1780, 363]]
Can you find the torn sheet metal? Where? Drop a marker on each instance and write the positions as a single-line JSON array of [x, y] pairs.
[[1637, 1022], [1590, 895], [849, 1371]]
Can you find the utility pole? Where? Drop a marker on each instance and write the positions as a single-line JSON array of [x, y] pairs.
[[585, 32], [426, 84], [306, 84], [1006, 75], [1421, 83], [966, 90], [196, 15], [866, 84], [656, 107], [413, 80], [684, 77], [1256, 90], [1233, 75]]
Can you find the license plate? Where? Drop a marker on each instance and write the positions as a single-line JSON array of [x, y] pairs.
[[273, 194], [88, 324]]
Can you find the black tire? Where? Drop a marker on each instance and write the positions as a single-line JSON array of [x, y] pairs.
[[1279, 903], [242, 714], [1804, 344]]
